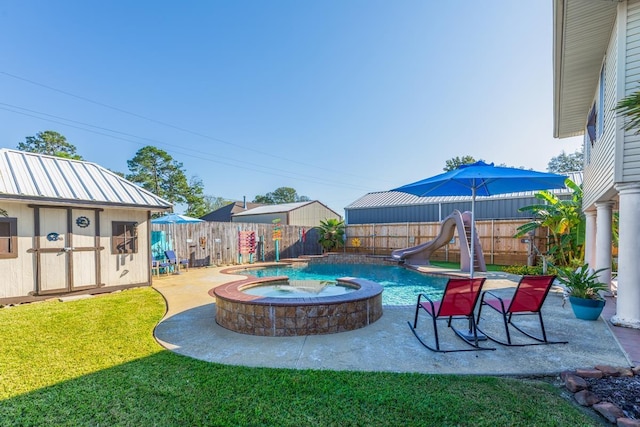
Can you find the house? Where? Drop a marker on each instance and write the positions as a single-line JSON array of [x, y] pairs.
[[69, 226], [306, 214], [225, 213], [393, 206], [596, 52]]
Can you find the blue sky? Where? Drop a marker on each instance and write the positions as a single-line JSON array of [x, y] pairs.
[[333, 98]]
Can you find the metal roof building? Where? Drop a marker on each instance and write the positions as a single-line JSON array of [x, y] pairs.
[[225, 213], [392, 206], [308, 214]]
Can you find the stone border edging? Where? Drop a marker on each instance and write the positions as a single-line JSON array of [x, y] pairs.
[[575, 382]]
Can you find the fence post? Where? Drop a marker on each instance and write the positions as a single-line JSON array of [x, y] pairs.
[[493, 241], [373, 238]]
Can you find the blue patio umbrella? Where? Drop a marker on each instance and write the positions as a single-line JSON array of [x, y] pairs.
[[481, 179], [174, 218]]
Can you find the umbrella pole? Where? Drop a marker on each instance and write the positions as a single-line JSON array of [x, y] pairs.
[[473, 231]]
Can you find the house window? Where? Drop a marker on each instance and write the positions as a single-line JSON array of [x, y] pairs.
[[8, 237], [591, 124], [600, 126], [124, 237]]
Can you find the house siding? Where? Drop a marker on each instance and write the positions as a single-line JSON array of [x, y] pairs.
[[631, 144], [599, 172]]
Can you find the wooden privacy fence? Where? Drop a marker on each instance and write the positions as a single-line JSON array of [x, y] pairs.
[[217, 243], [496, 238]]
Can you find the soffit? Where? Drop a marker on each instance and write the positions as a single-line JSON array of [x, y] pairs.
[[582, 29]]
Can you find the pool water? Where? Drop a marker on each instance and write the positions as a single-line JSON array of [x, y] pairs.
[[401, 286], [300, 289]]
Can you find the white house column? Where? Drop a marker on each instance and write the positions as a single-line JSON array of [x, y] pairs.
[[628, 301], [590, 238], [604, 221]]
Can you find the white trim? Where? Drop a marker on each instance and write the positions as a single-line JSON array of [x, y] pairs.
[[621, 79]]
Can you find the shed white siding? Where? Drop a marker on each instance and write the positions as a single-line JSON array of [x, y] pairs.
[[124, 269], [18, 274]]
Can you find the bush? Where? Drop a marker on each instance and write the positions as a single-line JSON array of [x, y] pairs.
[[522, 270]]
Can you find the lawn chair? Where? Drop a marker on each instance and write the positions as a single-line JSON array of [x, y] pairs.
[[173, 261], [526, 300], [158, 266], [459, 300]]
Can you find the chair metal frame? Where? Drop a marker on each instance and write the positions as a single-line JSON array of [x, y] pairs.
[[527, 300], [454, 304]]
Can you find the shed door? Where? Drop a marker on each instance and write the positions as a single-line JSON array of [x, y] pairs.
[[52, 253], [84, 253], [67, 252]]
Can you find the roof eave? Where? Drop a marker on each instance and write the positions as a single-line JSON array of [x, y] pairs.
[[81, 203], [577, 59]]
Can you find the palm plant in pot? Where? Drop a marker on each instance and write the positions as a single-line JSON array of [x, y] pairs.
[[582, 287]]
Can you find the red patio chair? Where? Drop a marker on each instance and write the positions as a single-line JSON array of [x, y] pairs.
[[459, 300], [526, 300]]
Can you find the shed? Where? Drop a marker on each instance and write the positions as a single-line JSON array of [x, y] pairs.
[[306, 214], [392, 207], [70, 226]]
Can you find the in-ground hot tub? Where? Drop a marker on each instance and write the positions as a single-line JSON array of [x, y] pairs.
[[281, 315]]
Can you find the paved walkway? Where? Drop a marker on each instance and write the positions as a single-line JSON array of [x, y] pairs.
[[189, 328]]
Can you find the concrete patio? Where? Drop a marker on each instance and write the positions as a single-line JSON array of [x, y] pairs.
[[189, 328]]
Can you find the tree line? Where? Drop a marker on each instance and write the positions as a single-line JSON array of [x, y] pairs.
[[158, 172]]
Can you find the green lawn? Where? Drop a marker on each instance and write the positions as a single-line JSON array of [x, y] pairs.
[[456, 265], [95, 362]]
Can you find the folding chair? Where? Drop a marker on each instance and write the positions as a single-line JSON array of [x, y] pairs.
[[459, 300], [157, 266], [172, 259], [526, 300]]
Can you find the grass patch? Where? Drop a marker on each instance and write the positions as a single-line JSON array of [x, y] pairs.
[[456, 265], [95, 362]]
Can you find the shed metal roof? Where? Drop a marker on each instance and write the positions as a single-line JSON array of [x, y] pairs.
[[271, 209], [41, 178], [395, 198]]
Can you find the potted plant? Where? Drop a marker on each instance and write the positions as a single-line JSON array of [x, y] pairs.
[[581, 287]]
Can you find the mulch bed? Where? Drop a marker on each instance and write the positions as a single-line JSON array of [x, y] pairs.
[[621, 391], [613, 393]]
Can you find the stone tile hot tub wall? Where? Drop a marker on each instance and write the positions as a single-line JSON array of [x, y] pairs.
[[255, 315]]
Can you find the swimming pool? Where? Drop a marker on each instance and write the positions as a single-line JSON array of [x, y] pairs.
[[401, 286]]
